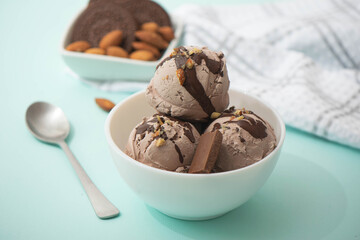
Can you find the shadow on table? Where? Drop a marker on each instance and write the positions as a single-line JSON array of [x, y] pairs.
[[301, 200]]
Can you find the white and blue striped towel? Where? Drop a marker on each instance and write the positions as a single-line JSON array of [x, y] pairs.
[[303, 57]]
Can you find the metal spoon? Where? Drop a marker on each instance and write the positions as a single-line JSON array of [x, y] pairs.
[[48, 123]]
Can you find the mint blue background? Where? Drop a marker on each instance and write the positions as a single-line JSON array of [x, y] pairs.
[[314, 192]]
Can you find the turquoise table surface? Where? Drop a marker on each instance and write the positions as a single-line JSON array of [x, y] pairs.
[[314, 192]]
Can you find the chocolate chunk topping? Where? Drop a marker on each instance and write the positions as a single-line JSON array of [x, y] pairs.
[[181, 158], [206, 152], [188, 132], [180, 61]]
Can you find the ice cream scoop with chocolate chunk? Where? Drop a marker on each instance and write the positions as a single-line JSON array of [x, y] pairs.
[[191, 84], [247, 138], [163, 142]]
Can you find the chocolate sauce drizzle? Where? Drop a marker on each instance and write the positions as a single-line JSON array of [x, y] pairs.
[[144, 127], [192, 83], [255, 128], [188, 132], [181, 158]]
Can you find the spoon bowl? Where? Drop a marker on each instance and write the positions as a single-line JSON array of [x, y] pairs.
[[47, 122]]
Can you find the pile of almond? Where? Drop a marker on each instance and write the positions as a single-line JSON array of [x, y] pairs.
[[151, 41]]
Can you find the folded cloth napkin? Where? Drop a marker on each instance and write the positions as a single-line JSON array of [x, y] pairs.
[[302, 57]]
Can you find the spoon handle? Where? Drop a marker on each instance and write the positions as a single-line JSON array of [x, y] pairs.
[[103, 207]]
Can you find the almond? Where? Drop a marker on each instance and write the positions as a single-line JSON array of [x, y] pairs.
[[78, 46], [104, 104], [112, 38], [150, 26], [142, 55], [152, 38], [117, 52], [146, 46], [167, 33], [99, 51]]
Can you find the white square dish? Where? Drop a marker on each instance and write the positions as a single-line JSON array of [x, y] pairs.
[[107, 68]]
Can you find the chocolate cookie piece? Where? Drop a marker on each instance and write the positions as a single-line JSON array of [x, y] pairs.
[[142, 10], [99, 19], [106, 1], [147, 11], [206, 152]]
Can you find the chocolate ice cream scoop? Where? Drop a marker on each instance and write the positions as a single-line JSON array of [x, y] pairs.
[[247, 138], [191, 84], [163, 142]]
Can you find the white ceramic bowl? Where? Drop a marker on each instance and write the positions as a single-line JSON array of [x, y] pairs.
[[182, 195], [105, 68]]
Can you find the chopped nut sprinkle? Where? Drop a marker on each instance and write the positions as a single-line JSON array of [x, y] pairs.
[[215, 115], [169, 122], [157, 133], [181, 75], [189, 63], [195, 50], [240, 118], [160, 142], [224, 126], [159, 120], [238, 112]]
